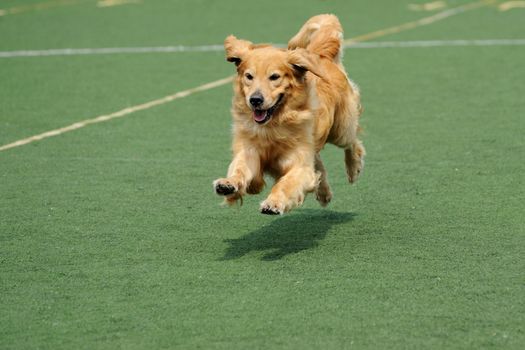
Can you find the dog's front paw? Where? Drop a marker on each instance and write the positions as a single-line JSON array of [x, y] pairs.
[[270, 207], [224, 187]]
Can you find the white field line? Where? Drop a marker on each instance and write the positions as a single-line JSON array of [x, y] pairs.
[[118, 114], [109, 50], [220, 48], [435, 43], [421, 22]]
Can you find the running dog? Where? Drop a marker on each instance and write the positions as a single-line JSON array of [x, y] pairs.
[[287, 104]]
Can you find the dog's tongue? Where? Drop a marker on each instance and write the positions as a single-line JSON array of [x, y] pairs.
[[259, 115]]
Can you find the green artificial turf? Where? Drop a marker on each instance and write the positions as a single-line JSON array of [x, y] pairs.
[[111, 236]]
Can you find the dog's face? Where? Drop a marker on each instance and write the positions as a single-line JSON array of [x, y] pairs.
[[265, 78], [268, 76]]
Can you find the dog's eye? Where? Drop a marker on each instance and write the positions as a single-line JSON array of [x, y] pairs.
[[274, 76], [248, 76]]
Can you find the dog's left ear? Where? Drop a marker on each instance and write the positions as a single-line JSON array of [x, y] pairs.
[[302, 61], [236, 49]]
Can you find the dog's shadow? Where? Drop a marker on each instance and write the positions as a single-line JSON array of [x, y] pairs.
[[290, 234]]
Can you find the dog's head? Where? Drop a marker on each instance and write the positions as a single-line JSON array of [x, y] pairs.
[[269, 77]]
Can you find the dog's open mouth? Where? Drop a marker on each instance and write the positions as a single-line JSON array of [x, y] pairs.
[[261, 116]]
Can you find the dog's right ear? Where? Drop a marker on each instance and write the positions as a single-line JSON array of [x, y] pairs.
[[236, 49], [302, 61]]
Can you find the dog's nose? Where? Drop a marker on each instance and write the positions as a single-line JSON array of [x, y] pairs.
[[256, 100]]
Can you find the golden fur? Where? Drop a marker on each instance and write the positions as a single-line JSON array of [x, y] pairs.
[[288, 103]]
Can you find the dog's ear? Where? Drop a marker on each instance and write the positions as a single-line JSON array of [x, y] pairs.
[[236, 49], [302, 61]]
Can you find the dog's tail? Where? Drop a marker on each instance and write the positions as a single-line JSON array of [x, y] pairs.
[[322, 35]]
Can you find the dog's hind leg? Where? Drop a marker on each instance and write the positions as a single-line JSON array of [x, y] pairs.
[[354, 160], [323, 193], [345, 137]]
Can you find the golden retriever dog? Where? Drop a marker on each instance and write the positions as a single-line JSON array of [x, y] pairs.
[[287, 104]]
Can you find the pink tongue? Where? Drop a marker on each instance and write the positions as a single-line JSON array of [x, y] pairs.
[[259, 115]]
